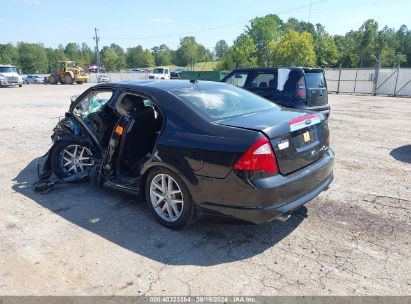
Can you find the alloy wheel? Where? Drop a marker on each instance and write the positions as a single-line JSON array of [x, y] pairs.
[[75, 159], [166, 197]]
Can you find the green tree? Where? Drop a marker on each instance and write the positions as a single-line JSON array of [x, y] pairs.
[[240, 55], [262, 31], [86, 55], [121, 56], [109, 58], [295, 49], [325, 49], [204, 54], [8, 54], [221, 49], [187, 52], [53, 57], [368, 43], [300, 26], [403, 38], [32, 58], [347, 48], [137, 57], [162, 55], [72, 51]]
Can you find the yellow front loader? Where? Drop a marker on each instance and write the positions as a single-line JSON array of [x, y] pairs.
[[67, 73]]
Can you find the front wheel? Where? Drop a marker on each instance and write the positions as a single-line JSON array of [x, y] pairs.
[[20, 85], [169, 199], [68, 79], [69, 158]]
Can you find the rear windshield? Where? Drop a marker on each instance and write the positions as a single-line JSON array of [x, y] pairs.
[[315, 80], [223, 102]]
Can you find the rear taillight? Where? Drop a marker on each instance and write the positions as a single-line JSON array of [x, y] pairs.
[[259, 157], [301, 91]]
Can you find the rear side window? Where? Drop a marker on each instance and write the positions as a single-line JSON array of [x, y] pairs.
[[262, 80], [315, 80], [237, 79]]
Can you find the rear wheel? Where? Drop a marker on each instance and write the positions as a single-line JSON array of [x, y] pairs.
[[69, 158], [169, 199], [68, 79], [20, 85], [79, 82]]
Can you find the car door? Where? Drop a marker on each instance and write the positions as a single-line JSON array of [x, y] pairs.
[[263, 83]]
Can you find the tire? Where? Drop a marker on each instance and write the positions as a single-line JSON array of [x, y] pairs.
[[20, 85], [61, 155], [52, 79], [68, 79], [79, 82], [183, 212]]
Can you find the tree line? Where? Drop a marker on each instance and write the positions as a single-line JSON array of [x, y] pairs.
[[265, 41]]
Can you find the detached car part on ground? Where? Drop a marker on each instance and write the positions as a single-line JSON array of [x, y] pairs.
[[299, 88], [193, 147], [9, 76]]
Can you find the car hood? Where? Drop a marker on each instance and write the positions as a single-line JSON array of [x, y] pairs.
[[10, 74]]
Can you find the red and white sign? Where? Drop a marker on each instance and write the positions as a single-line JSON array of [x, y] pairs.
[[303, 122]]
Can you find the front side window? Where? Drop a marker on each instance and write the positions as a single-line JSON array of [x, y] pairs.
[[93, 102], [223, 102]]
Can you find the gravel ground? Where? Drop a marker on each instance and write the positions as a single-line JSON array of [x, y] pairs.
[[355, 240]]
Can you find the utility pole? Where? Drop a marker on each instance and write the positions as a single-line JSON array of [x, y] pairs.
[[96, 38]]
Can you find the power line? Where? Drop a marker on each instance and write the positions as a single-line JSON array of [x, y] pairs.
[[211, 28]]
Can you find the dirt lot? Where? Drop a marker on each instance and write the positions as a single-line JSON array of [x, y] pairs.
[[355, 240]]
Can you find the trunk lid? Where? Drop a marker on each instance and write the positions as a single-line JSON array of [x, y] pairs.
[[297, 138]]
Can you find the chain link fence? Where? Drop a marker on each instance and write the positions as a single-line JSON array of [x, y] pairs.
[[383, 81]]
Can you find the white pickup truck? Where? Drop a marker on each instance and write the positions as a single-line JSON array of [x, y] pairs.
[[160, 73], [9, 76]]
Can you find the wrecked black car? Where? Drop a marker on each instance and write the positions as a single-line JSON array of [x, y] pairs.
[[192, 147]]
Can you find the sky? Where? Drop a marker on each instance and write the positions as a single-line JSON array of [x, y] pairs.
[[149, 23]]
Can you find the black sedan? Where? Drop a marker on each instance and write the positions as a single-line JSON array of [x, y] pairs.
[[193, 147]]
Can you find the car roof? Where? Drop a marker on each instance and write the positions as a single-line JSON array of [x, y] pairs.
[[163, 85], [305, 69]]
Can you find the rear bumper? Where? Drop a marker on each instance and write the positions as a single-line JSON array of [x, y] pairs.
[[268, 198], [322, 109]]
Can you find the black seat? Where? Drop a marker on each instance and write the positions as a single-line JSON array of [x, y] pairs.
[[272, 83], [140, 137]]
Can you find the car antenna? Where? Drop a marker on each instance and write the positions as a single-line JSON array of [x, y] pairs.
[[195, 80]]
